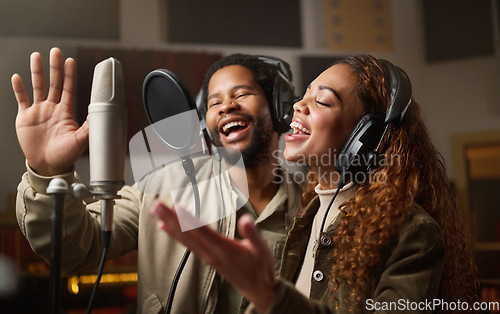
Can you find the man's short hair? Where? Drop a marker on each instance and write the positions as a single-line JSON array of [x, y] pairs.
[[263, 74]]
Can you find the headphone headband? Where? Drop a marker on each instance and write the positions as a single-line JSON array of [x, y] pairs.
[[282, 67], [401, 92]]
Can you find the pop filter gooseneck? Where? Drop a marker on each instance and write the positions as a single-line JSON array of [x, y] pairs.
[[171, 110]]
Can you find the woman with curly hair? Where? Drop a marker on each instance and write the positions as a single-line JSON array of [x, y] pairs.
[[388, 239]]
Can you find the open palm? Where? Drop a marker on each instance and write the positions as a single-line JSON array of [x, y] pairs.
[[246, 263], [51, 139]]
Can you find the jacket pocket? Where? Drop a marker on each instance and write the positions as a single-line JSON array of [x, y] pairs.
[[151, 305]]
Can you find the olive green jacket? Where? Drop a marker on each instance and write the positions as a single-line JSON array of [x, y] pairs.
[[409, 276]]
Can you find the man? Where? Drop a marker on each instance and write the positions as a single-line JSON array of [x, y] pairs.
[[238, 116]]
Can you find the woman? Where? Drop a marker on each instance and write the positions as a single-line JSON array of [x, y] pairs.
[[394, 241]]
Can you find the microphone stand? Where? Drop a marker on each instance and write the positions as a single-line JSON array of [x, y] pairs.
[[57, 188]]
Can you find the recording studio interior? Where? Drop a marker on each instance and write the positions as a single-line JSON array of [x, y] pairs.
[[449, 48]]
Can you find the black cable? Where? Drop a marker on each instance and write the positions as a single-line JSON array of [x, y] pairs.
[[340, 185], [221, 195], [175, 281], [190, 170], [106, 237]]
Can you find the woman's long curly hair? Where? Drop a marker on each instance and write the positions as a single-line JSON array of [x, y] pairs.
[[418, 175]]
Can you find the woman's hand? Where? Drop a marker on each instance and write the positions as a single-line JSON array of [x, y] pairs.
[[247, 263]]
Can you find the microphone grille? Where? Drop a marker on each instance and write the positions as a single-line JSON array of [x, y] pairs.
[[107, 84]]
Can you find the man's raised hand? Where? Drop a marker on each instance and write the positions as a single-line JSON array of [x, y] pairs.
[[51, 139]]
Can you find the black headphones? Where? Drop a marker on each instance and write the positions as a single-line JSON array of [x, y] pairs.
[[283, 95], [365, 146]]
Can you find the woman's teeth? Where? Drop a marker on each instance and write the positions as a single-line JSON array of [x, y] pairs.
[[299, 128]]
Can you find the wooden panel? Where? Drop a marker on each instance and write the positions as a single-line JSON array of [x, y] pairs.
[[358, 25], [483, 161], [474, 196], [486, 209]]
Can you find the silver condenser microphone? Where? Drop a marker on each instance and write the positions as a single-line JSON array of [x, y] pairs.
[[108, 135]]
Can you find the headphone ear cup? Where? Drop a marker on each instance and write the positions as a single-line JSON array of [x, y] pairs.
[[359, 154], [282, 107], [201, 107], [283, 94]]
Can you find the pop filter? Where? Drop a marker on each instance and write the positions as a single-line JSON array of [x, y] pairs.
[[171, 110]]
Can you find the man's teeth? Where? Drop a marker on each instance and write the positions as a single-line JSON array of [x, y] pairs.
[[232, 124], [299, 128]]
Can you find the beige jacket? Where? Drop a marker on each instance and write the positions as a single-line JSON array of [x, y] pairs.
[[134, 228]]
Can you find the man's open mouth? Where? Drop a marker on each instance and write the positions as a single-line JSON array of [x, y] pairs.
[[233, 126]]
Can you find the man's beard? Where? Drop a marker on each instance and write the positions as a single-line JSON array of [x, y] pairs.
[[258, 150]]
